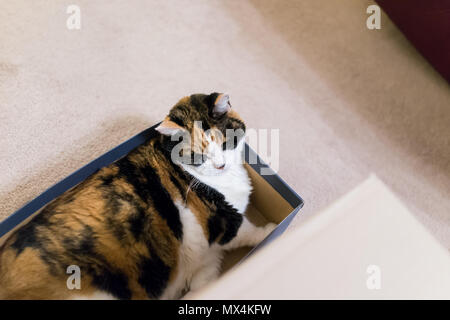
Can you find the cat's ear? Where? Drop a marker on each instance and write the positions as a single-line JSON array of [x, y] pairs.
[[221, 105], [168, 127]]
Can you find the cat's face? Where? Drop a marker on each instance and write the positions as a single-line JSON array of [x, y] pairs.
[[206, 135]]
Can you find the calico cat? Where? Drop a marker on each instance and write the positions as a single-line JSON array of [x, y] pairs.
[[151, 225]]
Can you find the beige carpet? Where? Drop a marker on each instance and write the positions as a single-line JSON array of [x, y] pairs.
[[348, 101]]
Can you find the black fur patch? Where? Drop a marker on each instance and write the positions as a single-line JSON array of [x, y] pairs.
[[233, 221], [81, 245], [114, 199], [113, 282], [107, 180], [215, 227], [147, 185], [114, 202], [118, 230], [163, 203], [177, 119], [224, 220], [211, 99], [154, 276], [137, 222], [27, 236]]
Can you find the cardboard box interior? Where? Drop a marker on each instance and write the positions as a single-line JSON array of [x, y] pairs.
[[266, 205]]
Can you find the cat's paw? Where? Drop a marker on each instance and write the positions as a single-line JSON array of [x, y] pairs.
[[190, 295], [268, 228], [263, 232]]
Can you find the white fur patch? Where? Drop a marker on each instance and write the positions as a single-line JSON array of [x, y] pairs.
[[199, 263], [233, 181], [197, 259]]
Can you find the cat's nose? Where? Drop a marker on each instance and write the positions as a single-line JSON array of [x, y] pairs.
[[220, 166]]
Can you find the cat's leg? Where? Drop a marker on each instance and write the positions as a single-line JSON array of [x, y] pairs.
[[249, 235], [204, 276], [208, 272]]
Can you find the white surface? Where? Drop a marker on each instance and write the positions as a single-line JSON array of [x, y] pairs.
[[328, 256]]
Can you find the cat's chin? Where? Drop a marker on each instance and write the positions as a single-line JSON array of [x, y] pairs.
[[212, 173]]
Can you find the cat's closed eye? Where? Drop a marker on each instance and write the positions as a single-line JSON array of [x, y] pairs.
[[197, 159], [230, 143]]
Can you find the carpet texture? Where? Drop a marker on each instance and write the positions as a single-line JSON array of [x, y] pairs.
[[348, 101]]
